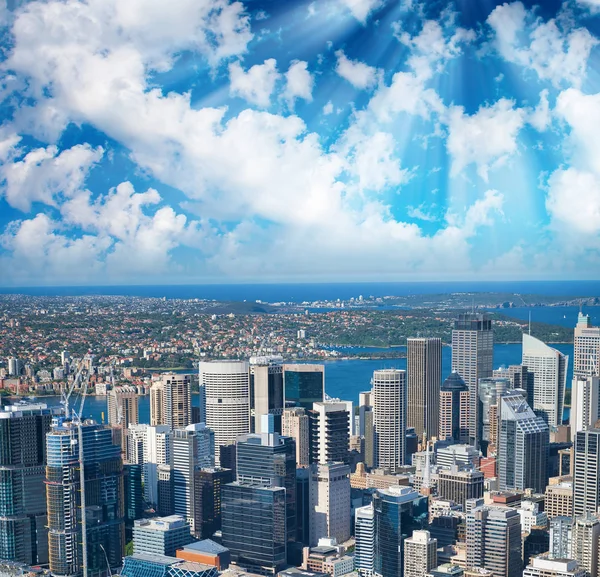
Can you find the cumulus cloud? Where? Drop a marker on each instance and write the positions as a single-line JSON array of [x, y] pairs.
[[359, 74], [557, 55], [487, 138], [257, 84], [362, 9], [541, 116], [299, 82]]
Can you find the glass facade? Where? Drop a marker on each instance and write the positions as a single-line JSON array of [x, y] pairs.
[[254, 526], [398, 512], [303, 387]]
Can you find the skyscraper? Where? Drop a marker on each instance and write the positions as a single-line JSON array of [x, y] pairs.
[[123, 406], [177, 400], [295, 424], [549, 368], [157, 452], [266, 391], [459, 486], [494, 540], [586, 348], [303, 385], [522, 446], [586, 478], [192, 447], [520, 378], [454, 410], [208, 487], [424, 377], [227, 391], [269, 459], [364, 530], [254, 526], [420, 554], [473, 358], [585, 536], [330, 502], [157, 403], [490, 391], [585, 403], [398, 512], [329, 432], [104, 499], [389, 417], [23, 533]]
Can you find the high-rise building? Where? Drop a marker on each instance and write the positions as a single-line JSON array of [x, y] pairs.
[[134, 496], [157, 403], [23, 533], [458, 486], [177, 403], [462, 456], [123, 406], [165, 498], [208, 486], [522, 460], [329, 432], [560, 537], [364, 530], [304, 480], [420, 554], [303, 385], [585, 535], [103, 499], [157, 452], [549, 368], [494, 540], [295, 424], [15, 367], [586, 478], [398, 512], [161, 535], [454, 410], [330, 502], [558, 501], [424, 377], [389, 417], [585, 403], [192, 447], [266, 391], [519, 377], [545, 566], [586, 348], [254, 526], [365, 404], [490, 390], [227, 390], [472, 359], [137, 439], [269, 459], [370, 443]]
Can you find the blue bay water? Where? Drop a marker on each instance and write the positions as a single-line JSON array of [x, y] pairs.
[[343, 378], [317, 291], [562, 316]]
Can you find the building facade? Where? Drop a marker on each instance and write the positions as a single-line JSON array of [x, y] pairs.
[[266, 391], [303, 385], [295, 424], [329, 432], [586, 477], [162, 535], [454, 410], [420, 554], [364, 531]]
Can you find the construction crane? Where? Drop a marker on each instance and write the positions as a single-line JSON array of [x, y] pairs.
[[67, 395]]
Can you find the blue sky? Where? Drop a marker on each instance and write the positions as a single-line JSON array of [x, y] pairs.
[[197, 141]]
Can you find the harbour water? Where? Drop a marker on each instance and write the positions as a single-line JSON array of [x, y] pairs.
[[343, 378]]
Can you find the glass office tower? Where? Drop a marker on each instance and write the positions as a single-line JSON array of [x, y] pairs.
[[303, 385]]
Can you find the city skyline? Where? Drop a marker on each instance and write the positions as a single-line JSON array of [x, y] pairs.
[[332, 140]]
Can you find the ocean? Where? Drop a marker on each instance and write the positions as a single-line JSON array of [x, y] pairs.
[[299, 292], [344, 379]]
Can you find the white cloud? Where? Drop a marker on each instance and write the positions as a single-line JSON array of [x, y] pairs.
[[361, 9], [420, 212], [541, 117], [593, 5], [359, 74], [43, 174], [573, 202], [257, 84], [328, 109], [557, 55], [299, 82], [487, 138]]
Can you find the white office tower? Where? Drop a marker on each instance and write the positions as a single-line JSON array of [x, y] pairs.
[[585, 536], [544, 566], [424, 378], [14, 367], [560, 537], [586, 348], [330, 503], [364, 530], [531, 516], [460, 456], [157, 452], [266, 391], [494, 541], [192, 447], [549, 368], [295, 424], [330, 432], [420, 554], [522, 454], [473, 359], [584, 403], [389, 417], [227, 391]]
